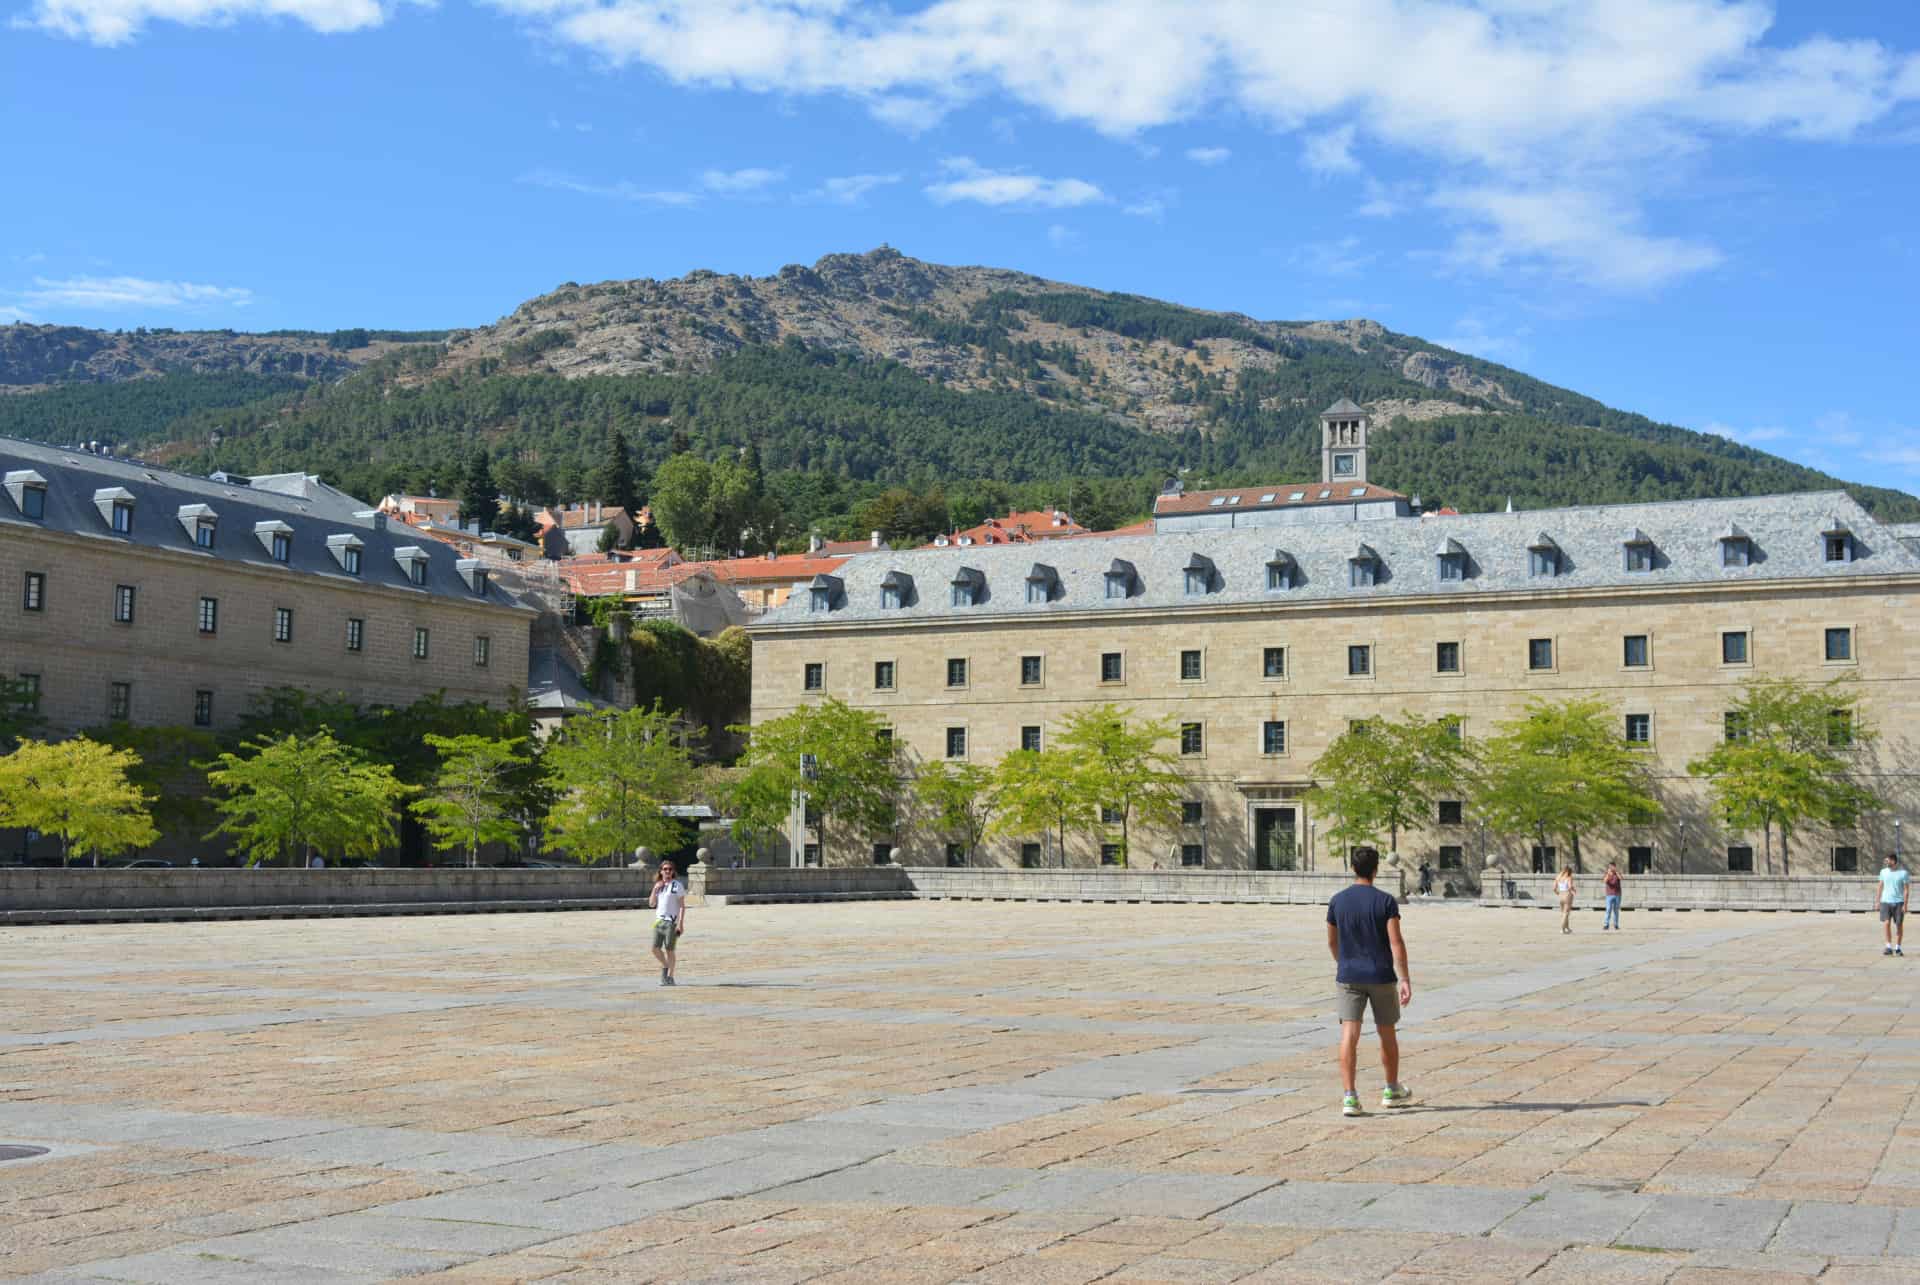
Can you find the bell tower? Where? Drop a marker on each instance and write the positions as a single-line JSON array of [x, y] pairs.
[[1343, 443]]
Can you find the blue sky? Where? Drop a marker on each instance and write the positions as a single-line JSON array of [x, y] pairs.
[[1701, 210]]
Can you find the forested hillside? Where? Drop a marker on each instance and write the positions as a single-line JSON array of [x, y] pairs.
[[874, 371]]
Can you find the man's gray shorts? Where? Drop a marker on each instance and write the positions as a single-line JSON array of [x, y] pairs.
[[1351, 1000], [1894, 910]]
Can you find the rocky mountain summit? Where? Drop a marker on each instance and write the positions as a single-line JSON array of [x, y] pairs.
[[36, 357]]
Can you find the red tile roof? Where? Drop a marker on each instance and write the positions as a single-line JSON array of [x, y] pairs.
[[1017, 528], [786, 568], [1272, 497]]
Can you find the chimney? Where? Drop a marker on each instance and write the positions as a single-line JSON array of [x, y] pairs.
[[873, 540], [815, 543]]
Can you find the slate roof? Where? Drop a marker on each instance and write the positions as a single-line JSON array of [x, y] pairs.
[[1241, 499], [1344, 406], [1785, 531], [159, 494]]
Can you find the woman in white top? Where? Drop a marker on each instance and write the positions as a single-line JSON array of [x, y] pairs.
[[1563, 888]]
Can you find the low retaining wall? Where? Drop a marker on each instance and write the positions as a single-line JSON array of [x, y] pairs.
[[76, 895], [1825, 893], [721, 886]]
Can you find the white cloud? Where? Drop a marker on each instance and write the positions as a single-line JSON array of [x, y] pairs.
[[122, 294], [740, 182], [1062, 237], [969, 181], [621, 191], [114, 22], [852, 189], [1471, 335], [1209, 155], [1331, 152], [1341, 258], [1567, 232]]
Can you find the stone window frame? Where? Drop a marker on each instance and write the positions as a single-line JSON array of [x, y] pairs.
[[1371, 651], [1112, 854], [119, 701], [30, 690], [1440, 811], [1193, 812], [1458, 860], [203, 707], [1198, 727], [283, 624], [1286, 671], [893, 674], [1852, 660], [1626, 730], [1646, 638], [1039, 736], [1633, 866], [1193, 856], [207, 617], [1040, 658], [966, 673], [1459, 669], [356, 633], [422, 642], [966, 742], [33, 591], [1260, 739], [126, 600], [1199, 655], [1121, 655], [1746, 851], [482, 651], [1036, 850], [1722, 633], [813, 676], [1553, 654], [1834, 860]]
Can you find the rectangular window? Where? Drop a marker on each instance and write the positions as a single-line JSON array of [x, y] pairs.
[[1839, 644], [1360, 575], [420, 643], [889, 597], [1452, 856], [1193, 855], [1109, 815], [819, 600], [1111, 669], [282, 546], [1030, 737], [1733, 647], [417, 571], [1736, 725], [1029, 856], [1032, 669], [1192, 739], [883, 737], [882, 675], [1839, 548], [482, 650], [1740, 859], [1640, 860], [123, 604], [119, 702], [1273, 662], [1639, 729], [203, 533], [1453, 566], [1279, 576], [33, 502], [956, 672], [1117, 585], [1359, 660], [1543, 562], [209, 615], [29, 692], [1839, 728], [956, 855], [1196, 581], [883, 854], [1543, 859], [283, 624], [1454, 724], [814, 677], [1633, 651], [1189, 666], [1109, 854], [350, 560], [1192, 812], [1734, 553], [1273, 737], [203, 708], [1039, 591], [1539, 653], [1846, 860], [1639, 557], [1446, 658], [1449, 811], [34, 596], [356, 632], [956, 742], [810, 854], [122, 516], [962, 595]]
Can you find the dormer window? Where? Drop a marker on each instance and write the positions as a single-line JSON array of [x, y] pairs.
[[969, 587], [819, 600], [115, 504], [29, 492], [413, 561], [1199, 575], [1363, 568], [282, 546], [200, 523], [1280, 570], [1736, 549], [896, 590], [350, 560], [276, 538], [1120, 579], [1043, 583], [346, 551], [1452, 560], [1836, 541], [473, 573], [1543, 556], [1638, 547], [823, 593]]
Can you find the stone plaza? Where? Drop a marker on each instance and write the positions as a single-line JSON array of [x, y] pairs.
[[931, 1092]]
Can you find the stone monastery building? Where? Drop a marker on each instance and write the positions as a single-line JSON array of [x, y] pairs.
[[1264, 621]]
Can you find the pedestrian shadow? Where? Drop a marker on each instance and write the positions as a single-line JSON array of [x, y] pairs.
[[1525, 1106]]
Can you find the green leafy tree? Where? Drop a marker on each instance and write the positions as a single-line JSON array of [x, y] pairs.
[[1043, 792], [1791, 759], [613, 771], [19, 711], [1383, 776], [856, 776], [470, 800], [717, 507], [1125, 767], [1563, 768], [170, 768], [78, 789], [905, 518], [479, 497], [961, 798], [299, 795]]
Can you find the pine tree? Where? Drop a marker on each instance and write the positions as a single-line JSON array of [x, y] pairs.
[[613, 480], [479, 498]]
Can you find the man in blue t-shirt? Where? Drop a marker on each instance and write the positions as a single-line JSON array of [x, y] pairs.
[[1894, 890], [1363, 933]]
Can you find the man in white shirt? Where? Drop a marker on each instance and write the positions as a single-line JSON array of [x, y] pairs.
[[669, 902], [1895, 887]]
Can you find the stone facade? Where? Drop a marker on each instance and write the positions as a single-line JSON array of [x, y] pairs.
[[1494, 624]]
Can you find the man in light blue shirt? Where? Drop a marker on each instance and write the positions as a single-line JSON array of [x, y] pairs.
[[1894, 890]]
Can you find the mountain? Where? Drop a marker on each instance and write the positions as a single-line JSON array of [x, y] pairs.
[[870, 370]]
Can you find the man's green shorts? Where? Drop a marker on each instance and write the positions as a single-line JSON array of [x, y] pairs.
[[1353, 999], [664, 934]]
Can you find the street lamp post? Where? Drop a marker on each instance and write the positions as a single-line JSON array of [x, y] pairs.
[[1683, 847], [1313, 845], [1896, 837]]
